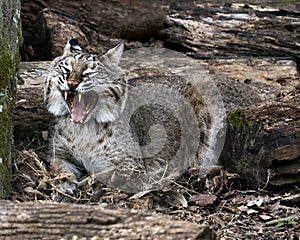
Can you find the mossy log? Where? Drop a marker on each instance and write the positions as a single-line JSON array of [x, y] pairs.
[[262, 144], [10, 40], [42, 220]]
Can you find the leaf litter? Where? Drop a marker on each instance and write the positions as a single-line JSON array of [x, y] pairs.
[[214, 199]]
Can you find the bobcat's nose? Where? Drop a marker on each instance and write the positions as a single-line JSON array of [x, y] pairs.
[[73, 84]]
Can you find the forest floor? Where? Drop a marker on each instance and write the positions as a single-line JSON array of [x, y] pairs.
[[216, 200]]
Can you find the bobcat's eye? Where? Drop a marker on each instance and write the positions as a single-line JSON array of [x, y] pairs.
[[87, 71]]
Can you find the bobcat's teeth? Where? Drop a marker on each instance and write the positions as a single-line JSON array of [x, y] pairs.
[[66, 95], [81, 121], [71, 120], [79, 97]]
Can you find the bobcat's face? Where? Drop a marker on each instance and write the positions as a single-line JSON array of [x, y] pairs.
[[83, 86]]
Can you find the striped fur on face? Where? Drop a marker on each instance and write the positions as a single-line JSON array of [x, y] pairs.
[[85, 86]]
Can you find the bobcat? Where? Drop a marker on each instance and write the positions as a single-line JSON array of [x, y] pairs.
[[102, 127]]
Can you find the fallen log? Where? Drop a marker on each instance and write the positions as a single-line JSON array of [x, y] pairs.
[[47, 26], [232, 29], [205, 30], [10, 41], [31, 120], [262, 138], [262, 145], [45, 220]]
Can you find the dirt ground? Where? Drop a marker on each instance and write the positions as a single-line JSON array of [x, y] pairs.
[[216, 200]]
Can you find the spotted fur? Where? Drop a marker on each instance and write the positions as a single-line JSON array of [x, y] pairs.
[[88, 94]]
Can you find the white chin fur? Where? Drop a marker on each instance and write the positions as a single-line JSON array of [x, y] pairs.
[[57, 111], [107, 116]]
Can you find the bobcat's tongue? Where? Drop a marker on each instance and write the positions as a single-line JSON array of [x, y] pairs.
[[78, 109]]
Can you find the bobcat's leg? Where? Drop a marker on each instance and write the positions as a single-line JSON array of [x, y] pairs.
[[65, 167]]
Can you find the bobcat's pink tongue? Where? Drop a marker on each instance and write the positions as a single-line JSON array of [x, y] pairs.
[[78, 109]]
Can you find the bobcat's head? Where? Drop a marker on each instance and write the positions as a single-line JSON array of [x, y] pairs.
[[83, 86]]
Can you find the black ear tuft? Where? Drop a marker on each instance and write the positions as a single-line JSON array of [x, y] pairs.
[[74, 45], [71, 47], [73, 41]]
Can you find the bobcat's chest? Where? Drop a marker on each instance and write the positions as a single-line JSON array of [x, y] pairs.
[[86, 142]]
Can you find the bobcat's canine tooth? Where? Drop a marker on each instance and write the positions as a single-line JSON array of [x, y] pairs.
[[66, 95], [79, 97]]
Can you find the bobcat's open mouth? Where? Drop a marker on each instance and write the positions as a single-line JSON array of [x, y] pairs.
[[79, 104]]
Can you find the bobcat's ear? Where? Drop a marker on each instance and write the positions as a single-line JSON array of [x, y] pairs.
[[112, 57], [72, 46]]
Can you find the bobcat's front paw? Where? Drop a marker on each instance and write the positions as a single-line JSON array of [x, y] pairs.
[[63, 190]]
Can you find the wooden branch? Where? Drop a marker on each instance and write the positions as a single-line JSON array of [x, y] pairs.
[[42, 220]]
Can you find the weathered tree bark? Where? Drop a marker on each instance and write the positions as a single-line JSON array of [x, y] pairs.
[[233, 29], [98, 27], [262, 144], [30, 117], [10, 39], [42, 220], [206, 30], [262, 137]]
